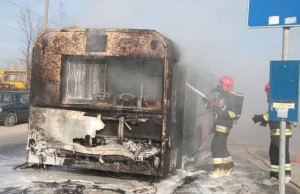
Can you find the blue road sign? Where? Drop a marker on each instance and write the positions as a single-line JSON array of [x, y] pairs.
[[284, 90], [273, 13]]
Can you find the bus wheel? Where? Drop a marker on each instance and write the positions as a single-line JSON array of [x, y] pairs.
[[10, 120]]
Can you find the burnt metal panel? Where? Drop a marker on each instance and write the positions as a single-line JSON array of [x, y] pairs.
[[180, 114], [51, 45], [145, 170], [96, 41], [144, 130]]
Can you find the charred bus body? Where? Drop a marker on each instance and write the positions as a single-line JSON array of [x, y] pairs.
[[109, 99], [197, 120], [106, 99]]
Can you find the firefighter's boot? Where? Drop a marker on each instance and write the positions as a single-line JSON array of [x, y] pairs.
[[274, 181], [228, 172], [218, 172], [288, 179], [270, 181]]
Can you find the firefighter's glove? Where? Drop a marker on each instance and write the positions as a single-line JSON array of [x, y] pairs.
[[295, 124], [263, 123], [257, 118], [206, 103]]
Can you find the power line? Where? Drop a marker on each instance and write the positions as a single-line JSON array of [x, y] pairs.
[[29, 11], [56, 9], [46, 15], [10, 27]]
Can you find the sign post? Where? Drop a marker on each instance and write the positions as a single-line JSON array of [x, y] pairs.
[[282, 148], [283, 103], [284, 14]]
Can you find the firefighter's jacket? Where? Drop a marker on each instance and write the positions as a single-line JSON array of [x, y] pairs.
[[224, 116], [275, 126]]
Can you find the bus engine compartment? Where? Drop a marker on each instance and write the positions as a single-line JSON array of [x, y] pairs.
[[112, 144]]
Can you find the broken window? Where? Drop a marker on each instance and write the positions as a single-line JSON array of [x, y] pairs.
[[136, 83], [112, 82], [84, 79]]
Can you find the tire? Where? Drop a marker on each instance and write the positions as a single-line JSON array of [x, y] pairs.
[[10, 120]]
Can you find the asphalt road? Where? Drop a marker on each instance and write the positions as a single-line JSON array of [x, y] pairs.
[[13, 135]]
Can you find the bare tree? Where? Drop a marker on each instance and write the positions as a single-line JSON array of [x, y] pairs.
[[30, 27], [12, 63]]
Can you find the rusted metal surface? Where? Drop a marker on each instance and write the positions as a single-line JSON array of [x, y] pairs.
[[55, 122], [51, 45], [146, 131]]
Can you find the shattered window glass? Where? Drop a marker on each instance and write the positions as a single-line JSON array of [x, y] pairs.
[[113, 82], [136, 83], [83, 80]]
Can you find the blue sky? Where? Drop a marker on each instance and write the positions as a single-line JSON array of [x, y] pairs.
[[210, 33], [10, 39]]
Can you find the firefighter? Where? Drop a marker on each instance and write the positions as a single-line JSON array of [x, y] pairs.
[[274, 145], [225, 117]]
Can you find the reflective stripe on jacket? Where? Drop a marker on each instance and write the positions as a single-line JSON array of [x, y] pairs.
[[275, 126]]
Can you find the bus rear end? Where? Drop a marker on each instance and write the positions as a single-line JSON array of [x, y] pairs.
[[103, 99]]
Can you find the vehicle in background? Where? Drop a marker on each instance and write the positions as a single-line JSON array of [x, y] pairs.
[[8, 87], [13, 78], [14, 107]]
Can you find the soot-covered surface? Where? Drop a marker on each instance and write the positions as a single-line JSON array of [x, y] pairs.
[[192, 179]]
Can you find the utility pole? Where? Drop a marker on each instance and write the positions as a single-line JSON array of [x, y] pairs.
[[46, 15]]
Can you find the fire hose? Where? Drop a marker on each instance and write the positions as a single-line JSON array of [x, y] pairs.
[[200, 148], [206, 139], [246, 148], [202, 95], [210, 132]]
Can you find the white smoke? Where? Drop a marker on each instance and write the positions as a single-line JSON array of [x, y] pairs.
[[211, 34]]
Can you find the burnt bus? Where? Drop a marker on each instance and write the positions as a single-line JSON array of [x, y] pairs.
[[107, 99]]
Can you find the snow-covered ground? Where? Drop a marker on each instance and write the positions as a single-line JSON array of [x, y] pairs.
[[193, 178], [62, 180]]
